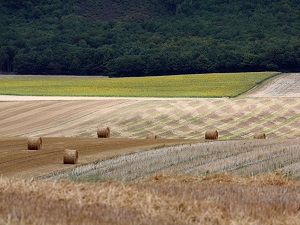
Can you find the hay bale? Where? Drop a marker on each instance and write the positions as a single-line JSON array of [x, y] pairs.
[[70, 156], [34, 143], [151, 136], [211, 135], [259, 136], [103, 132]]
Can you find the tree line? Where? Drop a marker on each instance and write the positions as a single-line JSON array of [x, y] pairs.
[[193, 36]]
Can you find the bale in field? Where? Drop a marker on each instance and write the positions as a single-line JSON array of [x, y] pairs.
[[260, 136], [103, 132], [34, 143], [151, 136], [70, 156], [211, 135]]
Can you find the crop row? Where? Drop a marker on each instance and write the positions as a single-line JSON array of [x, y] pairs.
[[247, 157]]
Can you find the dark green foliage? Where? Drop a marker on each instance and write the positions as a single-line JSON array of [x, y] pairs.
[[148, 37]]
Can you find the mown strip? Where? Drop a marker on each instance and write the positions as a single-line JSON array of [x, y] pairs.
[[244, 157]]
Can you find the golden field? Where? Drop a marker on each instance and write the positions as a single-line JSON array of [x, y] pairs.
[[180, 177]]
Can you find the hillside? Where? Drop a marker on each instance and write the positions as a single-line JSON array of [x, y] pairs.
[[136, 118], [125, 10], [193, 183], [148, 37]]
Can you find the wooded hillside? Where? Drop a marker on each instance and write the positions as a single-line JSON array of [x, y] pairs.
[[148, 37]]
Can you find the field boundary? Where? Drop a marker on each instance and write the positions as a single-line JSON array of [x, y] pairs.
[[260, 85], [14, 98]]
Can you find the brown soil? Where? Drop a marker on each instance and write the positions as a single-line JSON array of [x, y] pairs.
[[17, 161]]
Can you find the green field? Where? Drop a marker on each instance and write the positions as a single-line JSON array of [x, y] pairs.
[[196, 85]]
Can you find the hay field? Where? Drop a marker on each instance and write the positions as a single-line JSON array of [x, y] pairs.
[[135, 118], [286, 86], [240, 157], [220, 199], [167, 194], [17, 161]]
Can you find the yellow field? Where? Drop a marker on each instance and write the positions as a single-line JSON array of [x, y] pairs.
[[196, 85]]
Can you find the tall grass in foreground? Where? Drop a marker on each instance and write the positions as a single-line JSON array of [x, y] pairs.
[[195, 85], [249, 157], [220, 199]]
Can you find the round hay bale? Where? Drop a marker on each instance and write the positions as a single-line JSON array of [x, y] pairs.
[[34, 143], [103, 132], [151, 136], [211, 135], [260, 136], [70, 156]]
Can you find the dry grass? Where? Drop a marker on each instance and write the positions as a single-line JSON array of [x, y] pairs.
[[241, 157], [128, 118], [218, 199]]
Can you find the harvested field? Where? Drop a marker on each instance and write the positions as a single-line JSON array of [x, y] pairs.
[[240, 157], [136, 118], [185, 186], [17, 161], [219, 199], [285, 85]]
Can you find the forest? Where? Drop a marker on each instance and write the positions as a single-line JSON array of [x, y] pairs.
[[148, 37]]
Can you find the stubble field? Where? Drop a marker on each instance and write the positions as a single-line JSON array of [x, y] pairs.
[[191, 184]]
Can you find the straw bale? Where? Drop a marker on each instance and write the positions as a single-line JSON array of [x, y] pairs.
[[70, 156], [151, 136], [211, 135], [103, 132], [34, 143], [259, 136]]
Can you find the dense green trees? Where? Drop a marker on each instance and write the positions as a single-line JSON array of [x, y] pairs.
[[186, 36]]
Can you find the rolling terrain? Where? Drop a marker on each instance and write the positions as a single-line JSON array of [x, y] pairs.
[[167, 195], [135, 118], [286, 86], [17, 161], [132, 119]]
